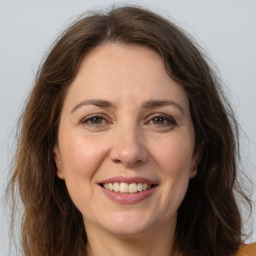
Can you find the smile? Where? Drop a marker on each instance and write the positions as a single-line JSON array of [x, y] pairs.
[[128, 190], [123, 187]]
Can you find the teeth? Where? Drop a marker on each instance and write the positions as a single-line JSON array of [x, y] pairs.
[[133, 188], [116, 187], [127, 188], [124, 187], [111, 186]]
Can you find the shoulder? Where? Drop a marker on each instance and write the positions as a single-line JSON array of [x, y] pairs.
[[247, 250]]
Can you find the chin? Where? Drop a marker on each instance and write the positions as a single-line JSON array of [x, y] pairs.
[[128, 224]]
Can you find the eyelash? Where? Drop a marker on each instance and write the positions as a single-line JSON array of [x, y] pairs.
[[89, 119], [167, 120]]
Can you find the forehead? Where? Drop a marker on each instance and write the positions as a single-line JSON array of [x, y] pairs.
[[118, 71], [115, 60]]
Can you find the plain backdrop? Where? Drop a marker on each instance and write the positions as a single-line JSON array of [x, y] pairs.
[[225, 29]]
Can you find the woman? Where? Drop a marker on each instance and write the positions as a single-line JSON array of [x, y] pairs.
[[128, 145]]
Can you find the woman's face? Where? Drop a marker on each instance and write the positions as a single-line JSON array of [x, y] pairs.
[[126, 141]]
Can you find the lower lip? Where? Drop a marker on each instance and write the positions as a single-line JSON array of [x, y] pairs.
[[129, 198]]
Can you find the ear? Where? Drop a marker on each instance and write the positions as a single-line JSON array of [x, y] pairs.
[[193, 172], [194, 163], [58, 162]]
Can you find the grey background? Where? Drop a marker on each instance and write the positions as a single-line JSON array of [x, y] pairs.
[[225, 29]]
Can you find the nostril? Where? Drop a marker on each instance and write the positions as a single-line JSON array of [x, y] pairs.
[[117, 161]]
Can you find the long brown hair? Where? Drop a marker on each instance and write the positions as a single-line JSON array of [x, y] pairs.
[[209, 222]]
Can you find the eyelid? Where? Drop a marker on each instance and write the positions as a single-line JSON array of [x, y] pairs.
[[87, 118], [164, 116]]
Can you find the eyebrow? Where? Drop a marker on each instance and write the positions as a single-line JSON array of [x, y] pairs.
[[146, 105], [95, 102], [162, 103]]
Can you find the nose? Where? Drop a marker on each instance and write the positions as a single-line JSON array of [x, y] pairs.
[[128, 147]]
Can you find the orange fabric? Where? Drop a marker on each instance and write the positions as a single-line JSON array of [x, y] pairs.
[[247, 250]]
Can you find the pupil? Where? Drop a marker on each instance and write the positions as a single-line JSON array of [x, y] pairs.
[[158, 120], [96, 120]]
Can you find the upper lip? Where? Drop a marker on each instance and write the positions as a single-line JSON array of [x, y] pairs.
[[128, 180]]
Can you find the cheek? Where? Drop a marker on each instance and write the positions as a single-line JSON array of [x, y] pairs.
[[81, 154], [174, 154], [81, 159], [80, 162], [174, 160]]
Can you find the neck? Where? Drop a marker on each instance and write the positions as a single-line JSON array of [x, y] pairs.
[[154, 243]]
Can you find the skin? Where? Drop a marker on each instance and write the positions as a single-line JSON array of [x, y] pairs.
[[126, 139]]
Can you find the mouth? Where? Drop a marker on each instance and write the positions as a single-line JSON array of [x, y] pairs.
[[128, 188]]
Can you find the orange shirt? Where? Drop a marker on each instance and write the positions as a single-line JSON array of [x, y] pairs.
[[247, 250]]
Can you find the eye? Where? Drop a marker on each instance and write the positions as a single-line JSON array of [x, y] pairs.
[[94, 120], [161, 120]]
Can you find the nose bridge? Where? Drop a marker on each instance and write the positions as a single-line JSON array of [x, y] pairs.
[[129, 147]]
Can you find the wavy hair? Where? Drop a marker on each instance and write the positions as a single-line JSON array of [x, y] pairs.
[[209, 221]]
